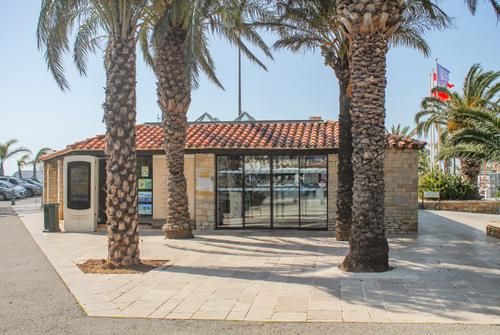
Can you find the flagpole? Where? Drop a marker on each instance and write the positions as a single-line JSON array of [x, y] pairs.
[[430, 135], [437, 129], [432, 128]]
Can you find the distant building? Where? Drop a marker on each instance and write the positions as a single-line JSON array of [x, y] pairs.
[[28, 174]]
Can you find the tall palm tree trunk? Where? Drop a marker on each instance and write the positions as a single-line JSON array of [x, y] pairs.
[[121, 181], [470, 170], [344, 172], [174, 98], [369, 250]]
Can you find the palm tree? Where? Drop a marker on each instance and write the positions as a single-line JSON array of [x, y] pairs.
[[116, 22], [36, 159], [368, 25], [472, 6], [180, 49], [304, 26], [479, 92], [402, 131], [480, 142], [21, 162], [6, 152]]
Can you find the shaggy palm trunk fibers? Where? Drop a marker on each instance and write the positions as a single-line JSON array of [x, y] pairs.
[[369, 250], [174, 98], [470, 170], [344, 173], [120, 116]]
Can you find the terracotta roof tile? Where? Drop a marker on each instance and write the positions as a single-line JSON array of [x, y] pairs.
[[300, 135]]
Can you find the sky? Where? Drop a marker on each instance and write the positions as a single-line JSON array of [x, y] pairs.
[[294, 87]]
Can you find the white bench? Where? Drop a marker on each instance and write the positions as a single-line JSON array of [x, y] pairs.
[[431, 195]]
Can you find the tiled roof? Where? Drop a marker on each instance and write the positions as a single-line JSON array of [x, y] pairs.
[[395, 141], [243, 135]]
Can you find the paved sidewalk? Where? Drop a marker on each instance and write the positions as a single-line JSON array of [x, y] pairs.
[[449, 273]]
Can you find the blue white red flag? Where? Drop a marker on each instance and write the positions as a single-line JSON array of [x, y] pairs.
[[443, 76]]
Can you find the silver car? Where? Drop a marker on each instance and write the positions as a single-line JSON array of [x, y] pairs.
[[31, 190], [5, 193], [18, 190]]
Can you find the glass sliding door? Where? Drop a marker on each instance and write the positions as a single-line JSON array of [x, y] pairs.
[[272, 191], [229, 192], [286, 192], [257, 192], [313, 197]]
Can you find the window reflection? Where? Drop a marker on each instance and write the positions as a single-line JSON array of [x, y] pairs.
[[313, 177], [229, 191], [286, 191], [257, 192], [298, 186]]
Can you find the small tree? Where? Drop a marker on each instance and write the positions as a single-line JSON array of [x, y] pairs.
[[401, 131], [424, 162], [7, 152], [21, 163], [36, 159]]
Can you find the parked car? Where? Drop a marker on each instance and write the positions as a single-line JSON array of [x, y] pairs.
[[33, 182], [30, 189], [18, 190], [5, 193]]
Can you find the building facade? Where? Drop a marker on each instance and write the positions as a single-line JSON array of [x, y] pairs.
[[240, 175]]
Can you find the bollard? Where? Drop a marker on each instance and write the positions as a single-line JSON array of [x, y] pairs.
[[13, 198]]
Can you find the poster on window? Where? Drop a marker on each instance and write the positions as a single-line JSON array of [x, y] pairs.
[[145, 171], [145, 209], [145, 196], [145, 184]]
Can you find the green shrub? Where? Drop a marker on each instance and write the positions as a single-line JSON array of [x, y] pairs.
[[449, 186]]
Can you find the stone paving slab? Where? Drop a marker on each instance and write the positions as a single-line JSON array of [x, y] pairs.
[[449, 273]]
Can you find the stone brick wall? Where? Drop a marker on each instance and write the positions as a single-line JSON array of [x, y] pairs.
[[333, 162], [52, 182], [493, 228], [401, 191], [60, 187], [45, 182], [205, 198], [470, 206]]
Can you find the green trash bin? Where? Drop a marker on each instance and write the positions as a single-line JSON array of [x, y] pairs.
[[51, 217]]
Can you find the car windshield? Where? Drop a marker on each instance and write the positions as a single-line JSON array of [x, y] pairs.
[[19, 181], [4, 183]]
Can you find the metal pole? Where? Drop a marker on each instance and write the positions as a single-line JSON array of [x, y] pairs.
[[431, 77], [436, 71], [239, 82], [438, 131]]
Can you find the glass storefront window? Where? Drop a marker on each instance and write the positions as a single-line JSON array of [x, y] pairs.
[[313, 179], [229, 191], [278, 191], [257, 191], [286, 191]]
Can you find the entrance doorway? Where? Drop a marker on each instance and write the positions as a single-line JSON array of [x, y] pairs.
[[272, 191]]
